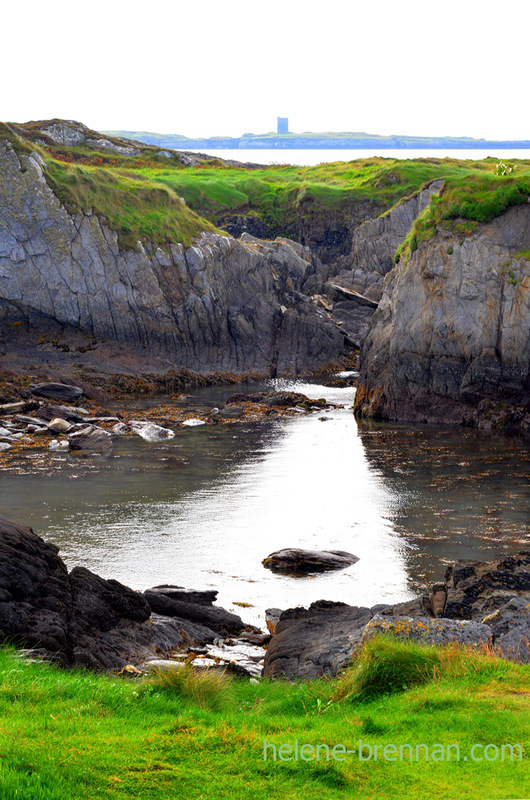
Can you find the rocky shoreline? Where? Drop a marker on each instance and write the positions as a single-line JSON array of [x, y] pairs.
[[56, 416], [78, 619]]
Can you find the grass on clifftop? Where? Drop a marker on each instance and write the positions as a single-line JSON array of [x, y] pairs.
[[281, 195], [466, 201], [135, 207], [140, 195], [77, 735]]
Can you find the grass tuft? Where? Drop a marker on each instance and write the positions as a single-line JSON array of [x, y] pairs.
[[208, 689]]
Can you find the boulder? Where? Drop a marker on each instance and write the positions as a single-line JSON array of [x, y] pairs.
[[56, 391], [315, 642], [151, 432], [475, 589], [511, 629], [296, 561], [91, 439], [59, 425]]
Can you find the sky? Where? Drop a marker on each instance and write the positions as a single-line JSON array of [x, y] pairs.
[[205, 68]]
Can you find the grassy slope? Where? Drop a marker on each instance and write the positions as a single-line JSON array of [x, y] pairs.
[[76, 735], [140, 196], [466, 201]]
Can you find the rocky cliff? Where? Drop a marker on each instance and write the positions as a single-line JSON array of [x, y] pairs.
[[450, 341], [221, 305]]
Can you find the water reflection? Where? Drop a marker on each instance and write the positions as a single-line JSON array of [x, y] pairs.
[[205, 508]]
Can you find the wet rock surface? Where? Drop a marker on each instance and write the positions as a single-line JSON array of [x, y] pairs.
[[294, 560]]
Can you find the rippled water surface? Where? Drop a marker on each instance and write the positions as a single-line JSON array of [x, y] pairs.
[[204, 508]]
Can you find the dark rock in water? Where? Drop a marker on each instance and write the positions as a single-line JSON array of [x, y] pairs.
[[205, 597], [56, 391], [230, 412], [223, 622], [276, 399], [300, 561], [315, 642], [92, 439], [81, 619]]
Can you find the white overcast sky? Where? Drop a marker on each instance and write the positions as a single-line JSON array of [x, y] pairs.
[[459, 67]]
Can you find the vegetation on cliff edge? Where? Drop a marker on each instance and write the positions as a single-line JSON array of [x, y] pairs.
[[140, 195]]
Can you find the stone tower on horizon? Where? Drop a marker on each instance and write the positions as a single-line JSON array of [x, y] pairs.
[[283, 124]]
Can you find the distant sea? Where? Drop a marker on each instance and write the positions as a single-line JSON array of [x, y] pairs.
[[313, 157]]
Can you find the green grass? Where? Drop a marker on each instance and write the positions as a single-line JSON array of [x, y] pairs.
[[281, 196], [77, 735], [468, 200], [135, 207], [140, 195]]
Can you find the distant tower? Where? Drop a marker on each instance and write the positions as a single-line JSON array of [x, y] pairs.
[[283, 124]]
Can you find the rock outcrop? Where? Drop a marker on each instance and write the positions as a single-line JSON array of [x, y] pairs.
[[81, 619], [450, 340], [358, 278], [221, 305], [310, 643], [477, 604]]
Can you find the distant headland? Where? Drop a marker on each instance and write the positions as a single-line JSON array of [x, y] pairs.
[[282, 139]]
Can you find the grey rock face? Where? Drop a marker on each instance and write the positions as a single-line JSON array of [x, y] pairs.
[[371, 257], [220, 305], [376, 241], [450, 340]]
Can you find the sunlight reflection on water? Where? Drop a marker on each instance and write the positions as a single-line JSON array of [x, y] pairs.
[[404, 499]]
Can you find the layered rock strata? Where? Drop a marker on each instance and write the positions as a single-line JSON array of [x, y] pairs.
[[450, 341]]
